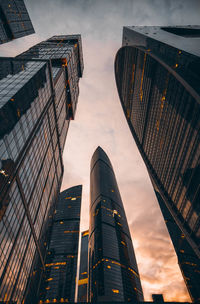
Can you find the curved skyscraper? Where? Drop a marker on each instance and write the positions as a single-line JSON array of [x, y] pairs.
[[59, 277], [157, 76], [113, 272]]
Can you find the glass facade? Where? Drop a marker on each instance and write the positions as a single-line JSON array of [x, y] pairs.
[[83, 271], [58, 280], [35, 111], [188, 262], [113, 272], [14, 20], [157, 80]]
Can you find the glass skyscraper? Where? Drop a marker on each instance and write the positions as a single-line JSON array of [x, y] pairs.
[[83, 270], [113, 272], [157, 76], [59, 278], [14, 20], [38, 98]]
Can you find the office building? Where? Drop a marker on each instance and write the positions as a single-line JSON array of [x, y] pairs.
[[59, 278], [157, 76], [113, 272], [38, 100], [14, 20], [83, 270]]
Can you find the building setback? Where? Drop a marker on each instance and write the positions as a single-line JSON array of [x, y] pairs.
[[14, 20], [113, 272], [83, 271], [157, 76], [38, 100], [59, 278]]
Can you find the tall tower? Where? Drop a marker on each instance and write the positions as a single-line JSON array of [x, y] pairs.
[[14, 20], [38, 100], [157, 76], [83, 271], [59, 278], [113, 272]]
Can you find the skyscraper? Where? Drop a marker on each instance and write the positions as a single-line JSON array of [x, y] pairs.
[[38, 100], [83, 270], [59, 278], [14, 20], [113, 272], [157, 76]]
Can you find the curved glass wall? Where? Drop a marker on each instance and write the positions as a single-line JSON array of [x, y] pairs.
[[162, 108], [113, 272]]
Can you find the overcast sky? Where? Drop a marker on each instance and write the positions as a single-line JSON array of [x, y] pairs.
[[99, 119]]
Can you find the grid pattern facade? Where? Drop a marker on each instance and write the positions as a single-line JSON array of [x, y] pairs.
[[34, 112], [83, 271], [58, 282], [188, 262], [14, 20], [162, 108], [113, 272]]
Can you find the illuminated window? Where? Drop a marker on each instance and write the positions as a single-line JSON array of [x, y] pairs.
[[73, 199], [108, 266], [112, 190], [182, 251], [69, 197], [85, 233], [69, 206], [115, 290], [133, 271], [72, 231], [141, 91], [61, 222], [18, 112], [47, 288], [83, 281], [50, 279], [55, 264]]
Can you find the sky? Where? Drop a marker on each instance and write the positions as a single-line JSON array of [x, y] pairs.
[[99, 120]]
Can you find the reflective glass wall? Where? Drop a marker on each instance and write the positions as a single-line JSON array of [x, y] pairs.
[[35, 111], [113, 272], [157, 85], [14, 20], [83, 270], [59, 278]]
